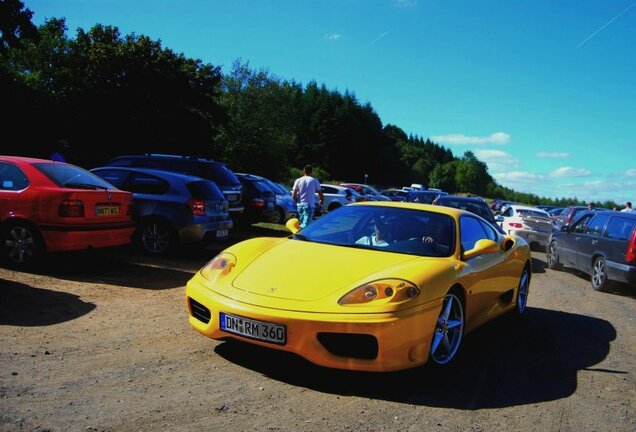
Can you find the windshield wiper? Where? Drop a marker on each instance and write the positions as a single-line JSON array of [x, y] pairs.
[[84, 186]]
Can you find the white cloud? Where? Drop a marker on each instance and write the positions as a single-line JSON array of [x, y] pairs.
[[631, 172], [553, 155], [461, 139], [497, 160], [333, 36], [403, 4], [519, 177], [570, 172]]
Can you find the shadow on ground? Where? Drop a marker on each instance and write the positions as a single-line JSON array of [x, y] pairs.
[[25, 306], [131, 267], [505, 363]]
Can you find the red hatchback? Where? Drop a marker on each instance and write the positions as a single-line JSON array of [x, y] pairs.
[[54, 206]]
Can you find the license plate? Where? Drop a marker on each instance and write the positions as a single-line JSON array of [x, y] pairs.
[[232, 198], [107, 211], [253, 329], [221, 233]]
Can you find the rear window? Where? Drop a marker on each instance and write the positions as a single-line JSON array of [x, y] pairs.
[[205, 190], [218, 172], [72, 177], [524, 212], [261, 186], [620, 228], [12, 178]]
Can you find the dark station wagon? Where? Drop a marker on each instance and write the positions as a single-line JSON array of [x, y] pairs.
[[601, 244]]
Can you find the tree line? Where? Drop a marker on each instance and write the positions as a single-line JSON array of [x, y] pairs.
[[109, 94]]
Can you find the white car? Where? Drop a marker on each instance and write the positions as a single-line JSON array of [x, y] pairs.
[[338, 196], [530, 223]]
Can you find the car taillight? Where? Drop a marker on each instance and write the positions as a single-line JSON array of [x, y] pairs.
[[197, 207], [515, 224], [630, 255], [71, 208], [258, 202]]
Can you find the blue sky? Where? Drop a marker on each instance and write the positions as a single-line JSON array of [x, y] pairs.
[[543, 91]]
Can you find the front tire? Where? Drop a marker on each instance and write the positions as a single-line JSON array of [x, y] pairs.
[[553, 257], [522, 292], [449, 329], [599, 275]]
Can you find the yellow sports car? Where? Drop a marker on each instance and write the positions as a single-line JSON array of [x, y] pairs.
[[376, 286]]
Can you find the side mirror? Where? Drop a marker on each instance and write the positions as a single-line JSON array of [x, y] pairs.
[[293, 225], [499, 218], [483, 246]]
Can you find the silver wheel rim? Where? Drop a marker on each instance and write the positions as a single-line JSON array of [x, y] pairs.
[[20, 244], [522, 292], [449, 330], [598, 275], [156, 237], [552, 255]]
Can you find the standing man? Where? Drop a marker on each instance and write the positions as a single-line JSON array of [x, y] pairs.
[[628, 208], [61, 154], [304, 193]]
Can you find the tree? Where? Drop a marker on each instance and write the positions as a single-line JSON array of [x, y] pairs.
[[443, 177], [472, 175], [15, 25]]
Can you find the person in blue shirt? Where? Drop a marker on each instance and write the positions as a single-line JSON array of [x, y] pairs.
[[61, 154]]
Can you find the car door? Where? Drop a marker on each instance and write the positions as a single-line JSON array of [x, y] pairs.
[[588, 241], [486, 279], [568, 241]]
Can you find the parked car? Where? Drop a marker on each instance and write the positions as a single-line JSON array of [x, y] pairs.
[[547, 207], [285, 204], [395, 194], [366, 191], [601, 244], [569, 214], [209, 169], [423, 197], [259, 200], [370, 307], [171, 209], [50, 206], [338, 196], [530, 223], [472, 204]]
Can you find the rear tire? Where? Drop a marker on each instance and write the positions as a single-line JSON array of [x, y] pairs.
[[157, 237], [599, 275], [22, 243]]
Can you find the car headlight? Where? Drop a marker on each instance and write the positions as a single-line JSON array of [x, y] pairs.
[[379, 292], [220, 265]]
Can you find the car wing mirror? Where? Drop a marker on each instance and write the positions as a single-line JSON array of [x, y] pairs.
[[483, 246], [499, 218], [293, 225]]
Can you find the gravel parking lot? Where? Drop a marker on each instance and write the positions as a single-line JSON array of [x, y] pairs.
[[100, 341]]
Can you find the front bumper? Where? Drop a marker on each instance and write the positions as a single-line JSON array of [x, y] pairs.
[[403, 337]]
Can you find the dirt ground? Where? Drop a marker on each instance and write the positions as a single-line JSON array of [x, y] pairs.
[[100, 341]]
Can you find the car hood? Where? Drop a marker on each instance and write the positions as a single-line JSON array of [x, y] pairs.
[[305, 271]]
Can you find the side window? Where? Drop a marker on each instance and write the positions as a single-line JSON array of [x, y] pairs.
[[471, 230], [329, 190], [115, 177], [597, 224], [146, 184], [620, 228], [581, 225], [490, 232], [12, 178]]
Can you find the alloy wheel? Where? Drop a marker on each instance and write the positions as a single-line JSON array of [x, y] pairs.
[[522, 291], [156, 237], [449, 330], [20, 244]]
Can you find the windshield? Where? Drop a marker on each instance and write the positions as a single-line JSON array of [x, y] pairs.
[[407, 231], [72, 177]]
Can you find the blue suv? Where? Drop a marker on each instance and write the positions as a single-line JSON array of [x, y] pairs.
[[170, 208]]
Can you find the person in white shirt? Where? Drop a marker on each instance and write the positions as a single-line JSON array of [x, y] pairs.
[[378, 237], [304, 193], [628, 208]]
